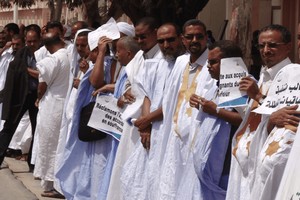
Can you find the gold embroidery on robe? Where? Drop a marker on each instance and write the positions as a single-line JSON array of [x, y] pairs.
[[185, 93], [252, 123]]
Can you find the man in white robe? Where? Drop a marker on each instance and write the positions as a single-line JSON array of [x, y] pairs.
[[210, 133], [53, 85], [274, 45], [189, 73], [139, 172], [145, 33]]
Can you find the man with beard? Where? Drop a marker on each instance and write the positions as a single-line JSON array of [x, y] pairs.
[[143, 161], [189, 73]]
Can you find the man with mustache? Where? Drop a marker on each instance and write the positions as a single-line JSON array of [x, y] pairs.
[[274, 44], [189, 74]]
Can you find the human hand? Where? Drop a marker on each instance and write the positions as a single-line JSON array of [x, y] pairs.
[[249, 86], [146, 137], [129, 98], [284, 116], [208, 106], [83, 65], [76, 82], [103, 42], [142, 123], [36, 103], [195, 101]]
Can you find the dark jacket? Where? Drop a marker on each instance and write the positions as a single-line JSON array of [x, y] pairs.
[[16, 86]]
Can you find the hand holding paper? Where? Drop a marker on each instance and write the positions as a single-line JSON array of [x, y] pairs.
[[249, 85]]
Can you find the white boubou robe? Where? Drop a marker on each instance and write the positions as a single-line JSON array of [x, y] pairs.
[[273, 157], [248, 141], [177, 122], [5, 59], [130, 136], [54, 70], [138, 176]]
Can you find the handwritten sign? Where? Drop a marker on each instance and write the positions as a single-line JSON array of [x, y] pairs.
[[231, 71], [107, 116], [284, 91]]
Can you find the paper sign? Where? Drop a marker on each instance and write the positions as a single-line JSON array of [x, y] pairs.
[[107, 116], [110, 30], [231, 72], [284, 91]]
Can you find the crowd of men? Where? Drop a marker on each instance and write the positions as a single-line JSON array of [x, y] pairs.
[[177, 143]]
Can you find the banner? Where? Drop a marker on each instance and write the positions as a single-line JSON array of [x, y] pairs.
[[107, 116], [285, 90], [231, 72]]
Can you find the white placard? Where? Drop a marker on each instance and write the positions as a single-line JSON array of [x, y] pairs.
[[284, 91], [231, 72], [110, 30], [107, 116]]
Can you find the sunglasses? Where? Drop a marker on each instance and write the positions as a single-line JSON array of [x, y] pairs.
[[192, 36], [272, 45], [168, 40]]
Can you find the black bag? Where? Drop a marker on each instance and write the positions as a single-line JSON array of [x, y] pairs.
[[86, 133]]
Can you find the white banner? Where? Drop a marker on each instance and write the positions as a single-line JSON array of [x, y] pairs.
[[107, 116], [231, 72], [285, 90]]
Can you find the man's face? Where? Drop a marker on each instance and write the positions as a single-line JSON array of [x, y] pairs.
[[32, 41], [195, 39], [2, 40], [16, 44], [214, 62], [145, 37], [82, 46], [272, 49], [123, 55], [93, 55], [74, 29], [169, 42]]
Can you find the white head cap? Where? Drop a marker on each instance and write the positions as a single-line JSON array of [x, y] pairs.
[[126, 28]]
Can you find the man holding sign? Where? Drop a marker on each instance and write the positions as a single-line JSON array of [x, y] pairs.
[[211, 128], [274, 46]]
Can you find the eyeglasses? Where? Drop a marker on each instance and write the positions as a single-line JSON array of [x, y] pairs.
[[272, 45], [169, 40], [192, 36]]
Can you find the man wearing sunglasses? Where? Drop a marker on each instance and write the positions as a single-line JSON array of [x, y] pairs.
[[146, 154], [189, 73], [274, 44]]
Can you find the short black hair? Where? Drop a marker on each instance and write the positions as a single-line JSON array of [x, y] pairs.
[[285, 33], [228, 48], [54, 24], [177, 28], [18, 36], [194, 22], [33, 27], [55, 39], [12, 27], [151, 22]]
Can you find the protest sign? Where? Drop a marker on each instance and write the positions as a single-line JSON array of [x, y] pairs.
[[284, 91], [107, 116], [231, 71]]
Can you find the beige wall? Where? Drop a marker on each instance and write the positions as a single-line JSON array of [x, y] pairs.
[[213, 15]]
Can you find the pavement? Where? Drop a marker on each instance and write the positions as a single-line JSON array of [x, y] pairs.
[[17, 183]]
